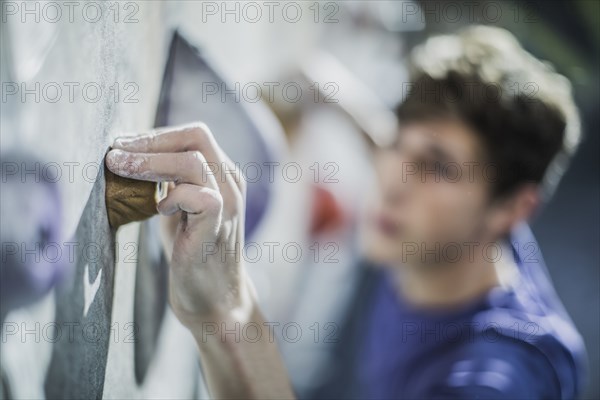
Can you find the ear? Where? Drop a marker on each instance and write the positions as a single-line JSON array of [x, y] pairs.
[[515, 208], [526, 203]]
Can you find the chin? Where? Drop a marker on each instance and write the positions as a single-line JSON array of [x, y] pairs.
[[381, 250]]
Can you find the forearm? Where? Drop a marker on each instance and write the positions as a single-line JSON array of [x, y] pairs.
[[240, 359]]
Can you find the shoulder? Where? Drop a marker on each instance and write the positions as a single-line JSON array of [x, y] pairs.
[[511, 353], [494, 367]]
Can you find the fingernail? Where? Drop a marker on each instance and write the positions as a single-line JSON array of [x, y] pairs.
[[123, 141], [113, 157]]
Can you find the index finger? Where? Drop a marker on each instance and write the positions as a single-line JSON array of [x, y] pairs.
[[185, 167], [191, 137]]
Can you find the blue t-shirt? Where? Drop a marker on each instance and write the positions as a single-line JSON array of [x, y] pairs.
[[509, 344], [516, 343]]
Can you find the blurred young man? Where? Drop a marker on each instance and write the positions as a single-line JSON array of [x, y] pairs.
[[459, 306], [464, 308]]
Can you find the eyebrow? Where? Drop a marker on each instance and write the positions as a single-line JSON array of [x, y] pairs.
[[432, 148]]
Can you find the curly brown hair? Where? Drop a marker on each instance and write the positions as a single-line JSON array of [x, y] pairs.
[[522, 109]]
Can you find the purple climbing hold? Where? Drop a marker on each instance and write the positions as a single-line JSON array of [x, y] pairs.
[[33, 256]]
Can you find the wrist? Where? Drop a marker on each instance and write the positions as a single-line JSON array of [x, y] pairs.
[[227, 315]]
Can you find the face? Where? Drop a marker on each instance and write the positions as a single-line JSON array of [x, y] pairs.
[[434, 195]]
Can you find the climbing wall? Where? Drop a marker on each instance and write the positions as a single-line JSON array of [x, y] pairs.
[[74, 77], [71, 85]]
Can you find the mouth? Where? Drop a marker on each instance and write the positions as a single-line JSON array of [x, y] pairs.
[[387, 226]]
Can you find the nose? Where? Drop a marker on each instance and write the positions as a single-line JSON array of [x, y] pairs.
[[393, 185]]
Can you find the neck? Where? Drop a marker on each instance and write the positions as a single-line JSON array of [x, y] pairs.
[[450, 285]]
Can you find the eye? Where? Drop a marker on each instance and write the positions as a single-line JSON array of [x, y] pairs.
[[442, 169], [433, 170], [432, 166]]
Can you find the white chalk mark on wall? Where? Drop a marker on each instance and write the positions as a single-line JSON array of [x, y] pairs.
[[90, 289]]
